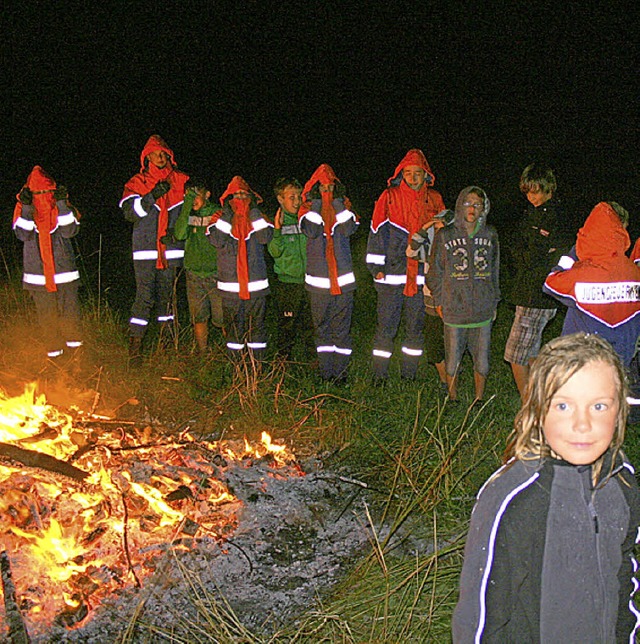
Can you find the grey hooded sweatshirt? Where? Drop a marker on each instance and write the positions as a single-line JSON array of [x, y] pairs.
[[465, 269]]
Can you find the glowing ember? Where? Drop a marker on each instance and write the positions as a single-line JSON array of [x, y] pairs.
[[96, 503]]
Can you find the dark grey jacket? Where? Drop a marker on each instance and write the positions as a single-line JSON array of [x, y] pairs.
[[550, 559]]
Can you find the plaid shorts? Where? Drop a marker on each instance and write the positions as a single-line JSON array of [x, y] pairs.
[[523, 343]]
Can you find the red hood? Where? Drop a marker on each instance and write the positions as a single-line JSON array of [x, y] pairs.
[[236, 184], [323, 174], [413, 157], [155, 144], [603, 237]]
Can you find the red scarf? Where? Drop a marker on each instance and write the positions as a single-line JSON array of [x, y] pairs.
[[144, 182], [325, 175], [241, 228], [45, 216]]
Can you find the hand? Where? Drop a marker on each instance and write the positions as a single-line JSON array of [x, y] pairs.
[[380, 276], [277, 222], [60, 193], [439, 311], [161, 188], [26, 196]]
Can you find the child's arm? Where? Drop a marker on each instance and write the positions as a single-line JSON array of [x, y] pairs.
[[346, 220], [262, 229], [182, 223], [561, 280], [310, 219], [220, 232], [436, 269]]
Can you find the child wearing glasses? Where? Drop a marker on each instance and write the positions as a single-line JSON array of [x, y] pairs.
[[464, 283]]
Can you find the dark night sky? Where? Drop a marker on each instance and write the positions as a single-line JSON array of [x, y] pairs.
[[240, 88]]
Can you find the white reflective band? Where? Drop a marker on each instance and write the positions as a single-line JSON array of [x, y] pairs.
[[233, 346], [412, 352], [607, 292], [138, 321], [199, 221], [234, 287], [378, 353], [145, 254], [566, 262], [74, 345], [174, 253], [325, 349], [165, 318], [342, 351], [378, 260], [65, 220], [137, 206], [257, 345], [393, 280], [223, 226], [260, 224], [55, 354], [25, 224], [325, 282], [58, 278], [343, 216], [291, 229], [633, 401], [127, 199], [313, 217]]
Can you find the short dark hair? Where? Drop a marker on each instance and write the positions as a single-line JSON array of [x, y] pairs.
[[284, 182], [537, 177], [198, 183]]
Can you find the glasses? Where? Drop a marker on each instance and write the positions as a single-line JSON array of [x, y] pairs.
[[477, 206]]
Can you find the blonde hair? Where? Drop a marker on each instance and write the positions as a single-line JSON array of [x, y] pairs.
[[556, 363]]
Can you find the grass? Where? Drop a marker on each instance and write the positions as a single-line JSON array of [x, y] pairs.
[[422, 459]]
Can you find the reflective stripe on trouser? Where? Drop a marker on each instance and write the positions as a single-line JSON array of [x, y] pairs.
[[58, 316], [154, 293], [332, 324], [244, 325], [391, 303]]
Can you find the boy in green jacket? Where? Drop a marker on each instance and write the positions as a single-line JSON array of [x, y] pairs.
[[288, 247], [200, 259]]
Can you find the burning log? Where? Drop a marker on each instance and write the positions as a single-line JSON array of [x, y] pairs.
[[17, 630], [43, 461]]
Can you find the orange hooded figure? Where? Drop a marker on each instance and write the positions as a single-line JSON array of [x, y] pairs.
[[601, 288], [152, 201], [45, 222]]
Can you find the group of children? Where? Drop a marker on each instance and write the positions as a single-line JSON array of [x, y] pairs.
[[550, 551]]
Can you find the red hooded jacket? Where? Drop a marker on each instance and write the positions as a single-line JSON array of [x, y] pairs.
[[143, 183], [407, 210], [604, 282]]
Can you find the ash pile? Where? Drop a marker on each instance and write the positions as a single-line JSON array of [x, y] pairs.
[[293, 539]]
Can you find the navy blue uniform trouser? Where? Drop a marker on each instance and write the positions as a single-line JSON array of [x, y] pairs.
[[244, 325], [391, 303], [332, 325], [154, 296]]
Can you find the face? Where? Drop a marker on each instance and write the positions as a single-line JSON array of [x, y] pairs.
[[581, 420], [158, 158], [290, 199], [201, 198], [241, 194], [537, 197], [472, 207], [414, 176], [327, 187]]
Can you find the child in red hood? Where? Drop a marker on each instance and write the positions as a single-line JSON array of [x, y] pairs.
[[408, 205], [240, 234], [327, 221], [599, 284], [152, 200], [45, 222]]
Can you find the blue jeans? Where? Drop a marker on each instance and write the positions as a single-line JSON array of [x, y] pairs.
[[476, 339]]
